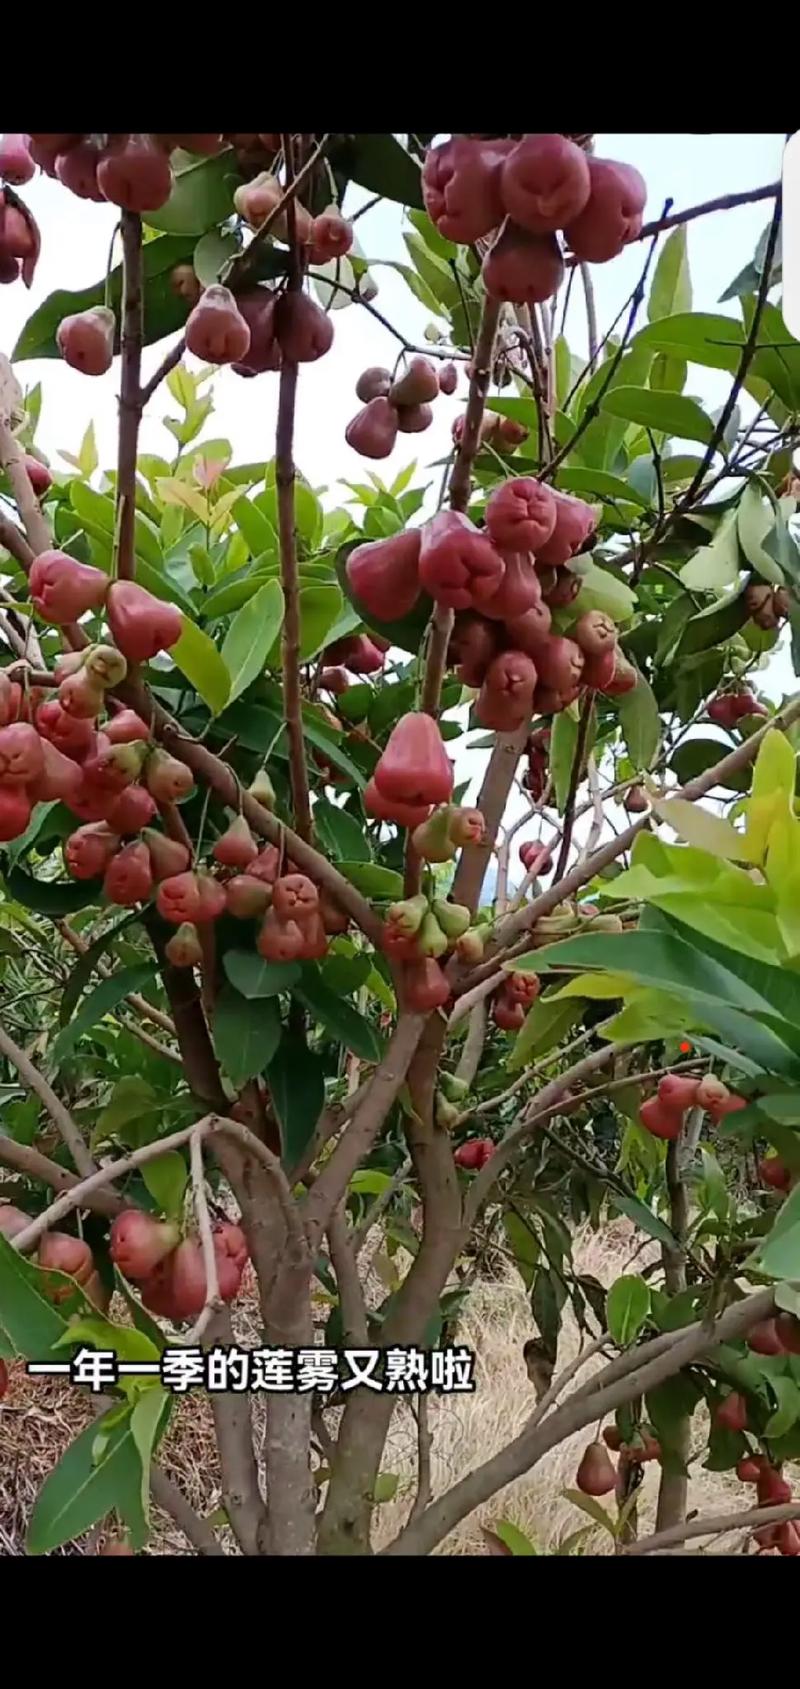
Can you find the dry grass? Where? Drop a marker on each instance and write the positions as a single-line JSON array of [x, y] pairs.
[[40, 1417]]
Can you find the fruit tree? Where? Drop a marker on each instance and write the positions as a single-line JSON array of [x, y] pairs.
[[295, 1014]]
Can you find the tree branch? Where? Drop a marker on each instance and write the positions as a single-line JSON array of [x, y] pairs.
[[726, 202], [534, 1442], [233, 1423], [480, 382], [574, 782], [167, 1495], [591, 311], [351, 1296], [285, 480], [365, 1124], [130, 397], [716, 1526], [592, 410], [59, 1115], [24, 1159], [167, 364], [213, 1302], [747, 355]]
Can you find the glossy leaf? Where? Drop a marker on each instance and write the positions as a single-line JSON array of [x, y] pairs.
[[164, 312], [254, 978], [668, 413], [100, 1002], [627, 1308], [671, 288], [81, 1490], [247, 1033], [198, 658], [641, 723], [297, 1088], [202, 194], [32, 1325], [338, 1016], [251, 636]]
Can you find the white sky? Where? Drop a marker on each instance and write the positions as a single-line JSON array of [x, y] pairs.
[[75, 237]]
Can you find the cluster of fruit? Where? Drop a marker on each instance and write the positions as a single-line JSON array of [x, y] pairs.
[[503, 584], [512, 1000], [60, 1252], [772, 1489], [19, 240], [529, 189], [727, 709], [474, 1154], [51, 747], [768, 605], [396, 406], [597, 1475], [663, 1114], [169, 1271], [132, 171], [113, 779], [252, 332]]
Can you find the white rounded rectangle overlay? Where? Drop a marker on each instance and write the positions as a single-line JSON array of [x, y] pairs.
[[791, 235]]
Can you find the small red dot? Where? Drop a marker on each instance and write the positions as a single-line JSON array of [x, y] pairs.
[[685, 1049]]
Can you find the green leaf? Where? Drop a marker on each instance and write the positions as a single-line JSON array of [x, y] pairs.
[[254, 978], [698, 827], [714, 625], [380, 164], [715, 567], [297, 1087], [128, 1344], [385, 1486], [251, 636], [602, 591], [55, 898], [694, 756], [31, 1323], [166, 1180], [164, 312], [131, 1098], [671, 289], [373, 880], [755, 518], [340, 833], [86, 964], [563, 739], [590, 1505], [149, 1416], [627, 1308], [641, 723], [512, 1538], [668, 375], [642, 1216], [79, 1492], [247, 1033], [100, 1002], [255, 527], [598, 483], [779, 1254], [320, 609], [202, 194], [548, 1020], [339, 1016], [212, 252], [668, 413], [198, 658], [787, 1411]]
